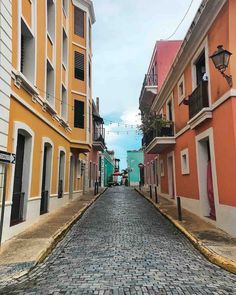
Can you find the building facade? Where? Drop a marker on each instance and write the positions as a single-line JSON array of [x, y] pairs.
[[47, 105], [98, 146], [197, 161], [163, 55], [134, 158], [107, 167]]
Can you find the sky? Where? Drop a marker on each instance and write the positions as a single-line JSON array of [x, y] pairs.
[[124, 36]]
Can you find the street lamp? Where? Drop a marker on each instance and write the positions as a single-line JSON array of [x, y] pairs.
[[221, 58]]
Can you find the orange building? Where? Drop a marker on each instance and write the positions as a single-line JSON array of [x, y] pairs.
[[197, 162], [50, 118]]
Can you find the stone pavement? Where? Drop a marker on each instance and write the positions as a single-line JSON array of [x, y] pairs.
[[123, 245], [214, 243], [21, 253]]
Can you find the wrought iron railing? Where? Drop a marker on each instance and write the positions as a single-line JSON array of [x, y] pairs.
[[17, 212], [164, 131], [44, 202], [99, 136], [149, 80], [198, 99]]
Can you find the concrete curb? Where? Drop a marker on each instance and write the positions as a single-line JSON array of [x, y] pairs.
[[56, 238], [213, 257]]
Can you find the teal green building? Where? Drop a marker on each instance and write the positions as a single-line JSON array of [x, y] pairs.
[[107, 167], [134, 158]]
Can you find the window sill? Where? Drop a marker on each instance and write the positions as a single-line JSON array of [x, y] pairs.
[[22, 81]]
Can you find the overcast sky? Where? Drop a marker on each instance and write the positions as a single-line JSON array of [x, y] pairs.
[[124, 36]]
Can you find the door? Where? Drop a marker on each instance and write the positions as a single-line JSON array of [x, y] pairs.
[[18, 195], [71, 177], [171, 177], [44, 191]]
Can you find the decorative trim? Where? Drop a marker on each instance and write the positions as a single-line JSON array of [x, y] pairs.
[[203, 115], [79, 93], [78, 45], [193, 40]]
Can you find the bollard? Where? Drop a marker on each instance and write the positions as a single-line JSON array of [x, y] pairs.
[[140, 186], [156, 196], [95, 188], [179, 209], [150, 191]]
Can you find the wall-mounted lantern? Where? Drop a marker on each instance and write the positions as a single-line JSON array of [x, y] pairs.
[[221, 59]]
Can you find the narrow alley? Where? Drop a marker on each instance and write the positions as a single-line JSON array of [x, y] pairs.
[[123, 245]]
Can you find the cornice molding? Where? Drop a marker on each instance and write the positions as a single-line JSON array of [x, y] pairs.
[[197, 32]]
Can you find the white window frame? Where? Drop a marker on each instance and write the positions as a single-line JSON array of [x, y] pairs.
[[181, 96], [184, 154]]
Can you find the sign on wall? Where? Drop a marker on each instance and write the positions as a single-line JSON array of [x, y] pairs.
[[8, 158]]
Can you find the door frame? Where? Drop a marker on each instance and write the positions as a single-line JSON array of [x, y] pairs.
[[20, 127], [207, 134], [71, 176], [171, 172]]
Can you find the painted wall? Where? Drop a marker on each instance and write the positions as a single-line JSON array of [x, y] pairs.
[[133, 159]]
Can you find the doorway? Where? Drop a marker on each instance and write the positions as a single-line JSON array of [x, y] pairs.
[[170, 167], [61, 174], [205, 178], [72, 165], [21, 179], [46, 178]]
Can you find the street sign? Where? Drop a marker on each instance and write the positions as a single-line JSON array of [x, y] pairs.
[[6, 157]]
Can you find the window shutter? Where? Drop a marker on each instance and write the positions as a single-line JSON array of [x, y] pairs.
[[22, 53], [79, 66], [79, 114], [79, 22]]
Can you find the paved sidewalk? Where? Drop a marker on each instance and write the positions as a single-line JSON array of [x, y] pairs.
[[213, 243], [21, 253]]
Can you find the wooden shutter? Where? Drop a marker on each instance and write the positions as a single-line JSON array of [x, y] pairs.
[[79, 114], [79, 66], [78, 22], [22, 53]]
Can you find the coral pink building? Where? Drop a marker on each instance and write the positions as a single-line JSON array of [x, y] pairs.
[[162, 58]]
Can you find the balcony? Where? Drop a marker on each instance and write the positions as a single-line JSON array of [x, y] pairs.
[[158, 140], [199, 110], [99, 139], [148, 92]]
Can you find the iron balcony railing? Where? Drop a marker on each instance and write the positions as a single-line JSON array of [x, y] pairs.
[[17, 213], [149, 80], [44, 202], [164, 131], [198, 99], [99, 136]]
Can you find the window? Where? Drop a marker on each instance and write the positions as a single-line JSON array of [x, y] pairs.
[[27, 52], [65, 48], [89, 73], [181, 90], [65, 6], [78, 22], [50, 84], [90, 35], [64, 103], [184, 162], [79, 66], [200, 66], [79, 114], [162, 168], [51, 19]]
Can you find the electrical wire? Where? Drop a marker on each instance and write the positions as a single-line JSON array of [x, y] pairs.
[[182, 20]]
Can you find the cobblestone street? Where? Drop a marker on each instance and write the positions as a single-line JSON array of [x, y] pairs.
[[122, 245]]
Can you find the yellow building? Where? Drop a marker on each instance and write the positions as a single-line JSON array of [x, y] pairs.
[[50, 107]]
